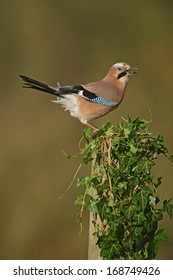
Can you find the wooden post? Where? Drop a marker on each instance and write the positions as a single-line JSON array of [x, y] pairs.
[[93, 249]]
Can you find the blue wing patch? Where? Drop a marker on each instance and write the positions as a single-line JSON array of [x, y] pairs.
[[91, 96], [103, 101]]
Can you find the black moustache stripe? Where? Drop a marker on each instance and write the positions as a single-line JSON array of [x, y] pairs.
[[122, 74]]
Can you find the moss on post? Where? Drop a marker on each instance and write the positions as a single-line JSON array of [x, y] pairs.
[[122, 191]]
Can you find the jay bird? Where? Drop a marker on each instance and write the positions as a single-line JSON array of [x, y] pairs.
[[92, 100]]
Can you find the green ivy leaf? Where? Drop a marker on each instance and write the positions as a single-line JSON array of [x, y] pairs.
[[146, 166], [129, 211], [139, 218], [92, 206], [80, 200], [87, 133], [91, 191], [168, 207], [84, 181], [157, 215], [133, 149], [111, 202], [126, 132], [143, 197], [159, 181], [159, 237], [152, 200]]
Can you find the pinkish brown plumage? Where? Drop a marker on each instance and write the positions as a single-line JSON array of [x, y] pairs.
[[93, 100]]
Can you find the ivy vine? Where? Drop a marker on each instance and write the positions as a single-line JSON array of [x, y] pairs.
[[122, 190]]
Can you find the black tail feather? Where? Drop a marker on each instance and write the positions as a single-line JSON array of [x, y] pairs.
[[31, 83]]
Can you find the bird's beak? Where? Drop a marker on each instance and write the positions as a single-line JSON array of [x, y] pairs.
[[132, 70]]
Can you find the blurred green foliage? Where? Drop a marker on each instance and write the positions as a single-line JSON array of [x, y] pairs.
[[71, 42]]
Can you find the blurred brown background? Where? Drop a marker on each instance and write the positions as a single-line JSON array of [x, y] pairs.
[[72, 42]]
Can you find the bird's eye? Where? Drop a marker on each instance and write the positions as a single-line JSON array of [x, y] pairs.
[[119, 68]]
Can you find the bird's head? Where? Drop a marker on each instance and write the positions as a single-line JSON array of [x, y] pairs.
[[121, 71]]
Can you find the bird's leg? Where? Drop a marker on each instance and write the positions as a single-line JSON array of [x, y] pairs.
[[94, 128]]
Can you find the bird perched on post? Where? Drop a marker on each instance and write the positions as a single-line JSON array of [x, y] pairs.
[[92, 100]]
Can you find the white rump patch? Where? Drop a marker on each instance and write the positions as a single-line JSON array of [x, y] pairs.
[[70, 103]]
